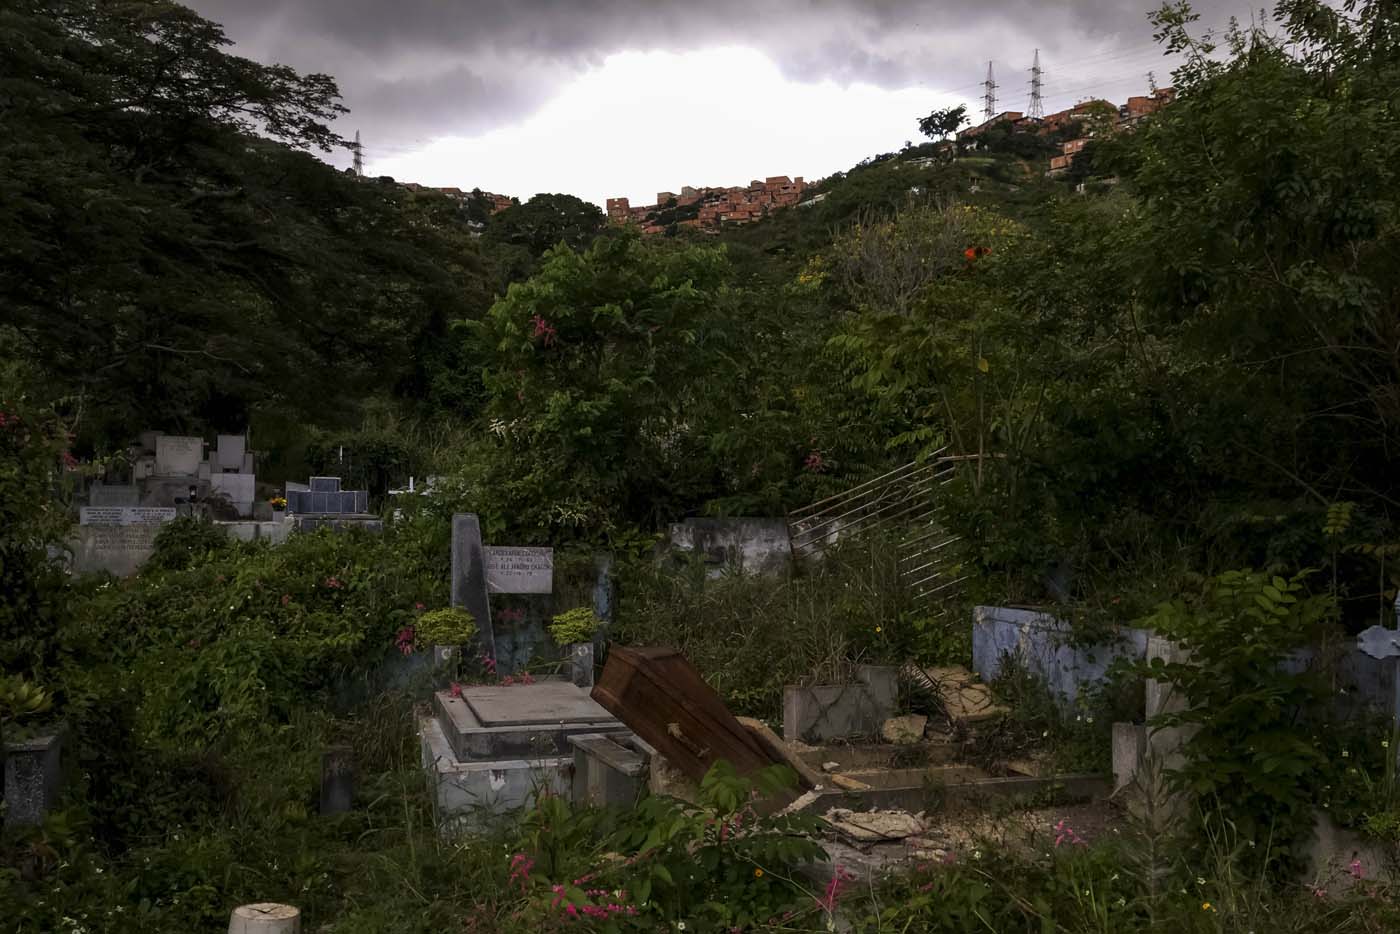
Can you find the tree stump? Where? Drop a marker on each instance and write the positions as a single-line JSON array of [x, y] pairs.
[[265, 918]]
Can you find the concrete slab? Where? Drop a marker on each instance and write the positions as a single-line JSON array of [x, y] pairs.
[[556, 702], [473, 741]]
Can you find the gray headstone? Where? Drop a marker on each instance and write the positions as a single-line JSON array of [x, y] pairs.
[[178, 456], [237, 487], [469, 576], [230, 451], [32, 777], [337, 780], [325, 484]]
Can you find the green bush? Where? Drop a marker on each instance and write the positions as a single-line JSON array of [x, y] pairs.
[[448, 626], [577, 625], [186, 542]]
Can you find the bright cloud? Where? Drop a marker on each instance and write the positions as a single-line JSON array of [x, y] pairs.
[[644, 122]]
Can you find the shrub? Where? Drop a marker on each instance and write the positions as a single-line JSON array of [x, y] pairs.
[[576, 625], [448, 626]]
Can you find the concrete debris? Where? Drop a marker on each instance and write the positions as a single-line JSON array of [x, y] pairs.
[[831, 766], [963, 698], [846, 783], [904, 731], [875, 826], [802, 803]]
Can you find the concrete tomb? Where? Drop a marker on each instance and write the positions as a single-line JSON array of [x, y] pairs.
[[490, 750], [117, 539]]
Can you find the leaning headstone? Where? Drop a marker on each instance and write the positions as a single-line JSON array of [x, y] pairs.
[[265, 918], [32, 779], [337, 780], [469, 576]]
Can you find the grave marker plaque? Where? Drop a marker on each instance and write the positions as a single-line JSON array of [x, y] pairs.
[[118, 539], [519, 570]]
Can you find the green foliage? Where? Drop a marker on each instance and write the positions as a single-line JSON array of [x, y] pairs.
[[750, 635], [447, 626], [580, 624], [32, 519], [716, 865], [186, 542], [943, 123], [1248, 748], [158, 183], [232, 646]]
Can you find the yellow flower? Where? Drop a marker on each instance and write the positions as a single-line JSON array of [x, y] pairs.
[[758, 873], [1206, 906], [878, 629]]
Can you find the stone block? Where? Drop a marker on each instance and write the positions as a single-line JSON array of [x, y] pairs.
[[337, 780], [33, 776], [100, 494], [1129, 749], [478, 796], [825, 712], [468, 583], [178, 456], [607, 773], [325, 484], [580, 663], [237, 488], [229, 451]]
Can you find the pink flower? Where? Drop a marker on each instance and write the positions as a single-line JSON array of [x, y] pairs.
[[456, 689], [404, 640], [1354, 867], [507, 681], [520, 866], [1065, 834], [814, 462], [526, 678], [286, 598], [1319, 893], [839, 878], [543, 330], [419, 607], [333, 583]]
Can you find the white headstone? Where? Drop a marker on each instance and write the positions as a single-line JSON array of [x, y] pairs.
[[519, 570], [230, 451], [238, 488], [178, 456]]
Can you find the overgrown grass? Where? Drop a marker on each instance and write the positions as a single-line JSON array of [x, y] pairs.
[[751, 635]]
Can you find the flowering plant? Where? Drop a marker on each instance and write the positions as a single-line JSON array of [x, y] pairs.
[[278, 502]]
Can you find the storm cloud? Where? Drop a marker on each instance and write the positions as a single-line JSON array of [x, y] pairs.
[[414, 70]]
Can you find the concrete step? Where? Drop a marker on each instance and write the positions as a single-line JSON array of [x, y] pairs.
[[533, 735]]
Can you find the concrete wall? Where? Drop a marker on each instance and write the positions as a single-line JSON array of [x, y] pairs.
[[1038, 639], [754, 546]]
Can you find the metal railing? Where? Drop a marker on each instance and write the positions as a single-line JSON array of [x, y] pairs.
[[905, 504]]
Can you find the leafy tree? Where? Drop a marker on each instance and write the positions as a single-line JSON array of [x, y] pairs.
[[943, 123], [545, 221], [173, 259]]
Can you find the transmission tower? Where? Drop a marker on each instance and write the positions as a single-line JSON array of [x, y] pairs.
[[1037, 109], [359, 156], [989, 100]]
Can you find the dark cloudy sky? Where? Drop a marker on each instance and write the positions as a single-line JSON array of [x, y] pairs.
[[605, 97]]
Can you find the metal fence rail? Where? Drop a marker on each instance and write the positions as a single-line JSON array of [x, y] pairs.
[[903, 502]]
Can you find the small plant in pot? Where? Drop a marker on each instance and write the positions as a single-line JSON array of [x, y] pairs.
[[448, 628]]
